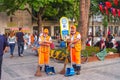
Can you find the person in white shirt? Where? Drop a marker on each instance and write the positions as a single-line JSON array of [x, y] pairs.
[[11, 42]]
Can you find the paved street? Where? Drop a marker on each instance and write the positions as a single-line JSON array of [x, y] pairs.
[[23, 68]]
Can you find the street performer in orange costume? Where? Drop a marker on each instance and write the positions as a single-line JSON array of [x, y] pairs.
[[75, 45], [43, 51]]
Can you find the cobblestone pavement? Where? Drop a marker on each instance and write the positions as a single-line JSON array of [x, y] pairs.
[[23, 68]]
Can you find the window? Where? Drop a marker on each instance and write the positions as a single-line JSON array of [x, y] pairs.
[[116, 30], [111, 29], [56, 30]]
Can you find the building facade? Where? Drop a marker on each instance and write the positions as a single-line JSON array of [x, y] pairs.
[[23, 19], [13, 22], [3, 22], [95, 26]]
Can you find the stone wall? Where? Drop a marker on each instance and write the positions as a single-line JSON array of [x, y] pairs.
[[13, 22], [3, 22]]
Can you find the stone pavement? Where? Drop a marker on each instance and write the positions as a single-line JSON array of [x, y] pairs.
[[23, 68]]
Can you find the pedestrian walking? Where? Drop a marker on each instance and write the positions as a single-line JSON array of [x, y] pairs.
[[11, 42], [3, 49], [26, 38], [20, 42], [32, 39]]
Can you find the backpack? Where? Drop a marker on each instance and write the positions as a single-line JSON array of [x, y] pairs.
[[62, 44], [52, 46]]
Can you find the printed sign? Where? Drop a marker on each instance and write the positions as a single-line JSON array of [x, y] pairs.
[[64, 27]]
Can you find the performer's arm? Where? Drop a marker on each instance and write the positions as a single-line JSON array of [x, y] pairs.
[[45, 43], [77, 39]]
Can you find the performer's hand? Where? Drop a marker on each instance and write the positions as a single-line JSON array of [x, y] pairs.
[[68, 40], [70, 44], [47, 44]]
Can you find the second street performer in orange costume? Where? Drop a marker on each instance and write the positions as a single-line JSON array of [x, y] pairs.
[[75, 45]]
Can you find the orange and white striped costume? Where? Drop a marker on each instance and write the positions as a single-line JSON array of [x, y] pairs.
[[44, 49]]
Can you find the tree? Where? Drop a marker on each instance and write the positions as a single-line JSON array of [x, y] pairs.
[[1, 2], [39, 6], [83, 20], [42, 8], [63, 7], [105, 24]]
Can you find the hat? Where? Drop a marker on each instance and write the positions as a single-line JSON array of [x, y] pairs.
[[74, 27], [45, 31]]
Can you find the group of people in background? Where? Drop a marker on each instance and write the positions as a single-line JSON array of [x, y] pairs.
[[8, 43], [18, 38], [23, 40], [108, 42]]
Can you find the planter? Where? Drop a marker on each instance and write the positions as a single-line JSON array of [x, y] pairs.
[[109, 56], [89, 59]]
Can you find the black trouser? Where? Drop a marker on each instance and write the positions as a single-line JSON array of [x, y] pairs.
[[0, 66], [20, 47]]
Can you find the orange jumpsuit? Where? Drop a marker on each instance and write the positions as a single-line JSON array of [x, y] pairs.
[[43, 52], [76, 50]]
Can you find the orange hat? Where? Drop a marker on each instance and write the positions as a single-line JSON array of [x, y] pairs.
[[45, 30], [74, 27]]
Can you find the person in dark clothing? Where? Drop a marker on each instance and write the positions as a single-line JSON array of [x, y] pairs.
[[118, 46], [110, 37], [108, 44], [3, 49], [20, 42]]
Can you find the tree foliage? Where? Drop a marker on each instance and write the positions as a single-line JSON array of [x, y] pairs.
[[50, 9]]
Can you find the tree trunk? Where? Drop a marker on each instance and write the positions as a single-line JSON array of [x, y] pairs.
[[87, 8], [92, 29], [39, 22], [83, 20]]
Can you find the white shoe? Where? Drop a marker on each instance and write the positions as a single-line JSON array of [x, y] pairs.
[[21, 55]]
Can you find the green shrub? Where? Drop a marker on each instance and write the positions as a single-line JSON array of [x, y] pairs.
[[94, 50], [111, 50]]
